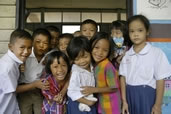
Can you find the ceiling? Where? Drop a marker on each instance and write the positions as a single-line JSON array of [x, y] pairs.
[[102, 4]]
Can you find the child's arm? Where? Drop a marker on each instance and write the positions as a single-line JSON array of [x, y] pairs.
[[159, 96], [87, 102], [36, 84], [123, 95], [87, 90]]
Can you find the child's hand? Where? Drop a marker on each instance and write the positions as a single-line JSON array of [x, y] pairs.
[[22, 67], [91, 103], [125, 108], [41, 84], [156, 109], [58, 98], [87, 90]]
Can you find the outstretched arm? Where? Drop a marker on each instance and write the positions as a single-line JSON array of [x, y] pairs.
[[36, 84]]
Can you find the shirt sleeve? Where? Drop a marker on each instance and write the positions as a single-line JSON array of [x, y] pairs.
[[111, 76], [162, 68], [9, 82], [74, 87]]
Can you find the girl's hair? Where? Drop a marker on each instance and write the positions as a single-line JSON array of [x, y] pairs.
[[88, 21], [122, 26], [43, 32], [141, 18], [99, 36], [77, 45], [55, 55]]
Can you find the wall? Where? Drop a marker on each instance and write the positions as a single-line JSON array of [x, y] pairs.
[[7, 23]]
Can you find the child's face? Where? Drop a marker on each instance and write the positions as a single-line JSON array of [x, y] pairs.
[[88, 30], [100, 50], [83, 60], [137, 32], [54, 39], [63, 44], [59, 69], [21, 48], [116, 33], [41, 45]]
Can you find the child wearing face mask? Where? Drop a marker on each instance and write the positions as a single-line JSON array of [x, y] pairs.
[[121, 41]]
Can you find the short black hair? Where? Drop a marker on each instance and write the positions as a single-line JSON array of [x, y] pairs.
[[52, 28], [77, 45], [55, 55], [66, 35], [141, 18], [88, 21], [99, 36], [42, 31], [123, 27], [19, 34]]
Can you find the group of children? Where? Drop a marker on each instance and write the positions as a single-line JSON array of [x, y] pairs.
[[39, 71]]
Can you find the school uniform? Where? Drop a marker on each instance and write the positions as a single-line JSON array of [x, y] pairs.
[[141, 70], [9, 74], [33, 99], [79, 77]]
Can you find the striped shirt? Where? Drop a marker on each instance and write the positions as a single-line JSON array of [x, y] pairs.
[[48, 104]]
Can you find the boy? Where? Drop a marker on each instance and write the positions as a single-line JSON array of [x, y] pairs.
[[20, 47], [54, 32], [31, 100], [88, 28], [64, 40]]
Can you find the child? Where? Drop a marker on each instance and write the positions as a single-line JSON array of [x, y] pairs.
[[88, 28], [121, 41], [77, 33], [64, 40], [57, 68], [143, 69], [19, 49], [31, 100], [81, 75], [107, 84], [54, 32]]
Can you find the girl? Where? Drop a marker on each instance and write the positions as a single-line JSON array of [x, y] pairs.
[[107, 85], [143, 69], [81, 75], [57, 68], [120, 40]]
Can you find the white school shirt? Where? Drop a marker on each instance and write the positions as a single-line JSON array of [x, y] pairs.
[[145, 67], [33, 69], [9, 74], [79, 77]]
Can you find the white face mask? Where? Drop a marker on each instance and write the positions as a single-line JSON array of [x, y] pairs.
[[118, 41]]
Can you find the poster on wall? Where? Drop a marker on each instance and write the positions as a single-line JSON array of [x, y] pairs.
[[166, 106], [157, 11]]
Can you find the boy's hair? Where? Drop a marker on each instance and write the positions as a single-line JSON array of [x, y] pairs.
[[141, 18], [66, 35], [52, 28], [43, 32], [55, 55], [99, 36], [88, 21], [20, 34], [77, 45]]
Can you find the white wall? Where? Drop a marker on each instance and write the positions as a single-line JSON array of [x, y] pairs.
[[7, 23]]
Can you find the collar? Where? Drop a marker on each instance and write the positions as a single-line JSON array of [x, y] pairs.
[[14, 57], [78, 68], [33, 56], [144, 51]]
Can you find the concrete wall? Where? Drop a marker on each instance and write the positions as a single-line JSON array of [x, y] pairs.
[[7, 23]]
